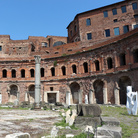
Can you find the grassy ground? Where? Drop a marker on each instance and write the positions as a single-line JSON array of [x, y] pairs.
[[128, 122]]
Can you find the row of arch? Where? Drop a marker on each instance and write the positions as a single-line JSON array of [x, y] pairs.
[[75, 87], [122, 59]]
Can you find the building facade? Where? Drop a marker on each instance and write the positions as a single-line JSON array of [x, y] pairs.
[[99, 58]]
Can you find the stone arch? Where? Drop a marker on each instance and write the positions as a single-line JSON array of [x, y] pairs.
[[75, 91], [98, 86], [31, 93], [13, 92], [123, 82]]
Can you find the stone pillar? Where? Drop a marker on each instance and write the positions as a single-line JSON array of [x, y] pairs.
[[91, 97], [105, 95], [37, 81], [68, 98], [80, 97], [116, 94]]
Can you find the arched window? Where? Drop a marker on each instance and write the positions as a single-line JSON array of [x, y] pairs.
[[63, 70], [32, 48], [85, 66], [13, 73], [58, 43], [53, 71], [44, 44], [32, 73], [97, 67], [74, 69], [22, 73], [122, 59], [135, 56], [42, 72], [4, 73], [109, 63]]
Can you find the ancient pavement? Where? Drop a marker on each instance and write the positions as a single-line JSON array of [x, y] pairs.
[[36, 123]]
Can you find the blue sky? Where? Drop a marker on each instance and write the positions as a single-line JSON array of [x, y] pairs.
[[23, 18]]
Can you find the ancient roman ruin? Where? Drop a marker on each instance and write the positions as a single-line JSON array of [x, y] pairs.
[[99, 58]]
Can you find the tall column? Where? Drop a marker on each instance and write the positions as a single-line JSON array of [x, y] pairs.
[[105, 95], [37, 81], [116, 94]]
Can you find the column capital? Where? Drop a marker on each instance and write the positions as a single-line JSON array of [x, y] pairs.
[[37, 59]]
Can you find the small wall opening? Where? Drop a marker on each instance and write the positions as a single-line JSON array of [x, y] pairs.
[[63, 70], [13, 73], [97, 66], [42, 72], [85, 67], [22, 73], [122, 59], [4, 73], [53, 71], [51, 88], [74, 69], [32, 73], [109, 63], [135, 56]]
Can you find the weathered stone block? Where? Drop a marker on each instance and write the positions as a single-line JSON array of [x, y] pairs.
[[110, 121], [93, 110], [18, 135]]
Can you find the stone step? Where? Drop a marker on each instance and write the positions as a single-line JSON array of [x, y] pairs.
[[111, 121], [110, 131]]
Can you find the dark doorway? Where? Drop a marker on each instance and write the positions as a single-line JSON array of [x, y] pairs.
[[51, 97]]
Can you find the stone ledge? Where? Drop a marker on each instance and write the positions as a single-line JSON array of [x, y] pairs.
[[111, 121]]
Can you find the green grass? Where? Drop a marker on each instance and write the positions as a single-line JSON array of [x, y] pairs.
[[19, 108]]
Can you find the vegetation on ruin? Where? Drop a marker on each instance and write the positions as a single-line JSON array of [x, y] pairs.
[[127, 122], [55, 63]]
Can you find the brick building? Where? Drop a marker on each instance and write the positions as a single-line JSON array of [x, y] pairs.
[[99, 58]]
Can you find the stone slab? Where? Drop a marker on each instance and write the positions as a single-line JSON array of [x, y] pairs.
[[111, 121]]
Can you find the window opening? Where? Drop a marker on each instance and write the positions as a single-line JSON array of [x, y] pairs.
[[89, 36], [116, 31], [51, 89], [109, 63], [22, 73], [32, 48], [135, 26], [44, 44], [85, 66], [4, 73], [123, 8], [42, 72], [134, 6], [105, 13], [135, 56], [32, 73], [115, 20], [13, 73], [74, 69], [126, 29], [114, 11], [122, 59], [53, 71], [63, 70], [97, 65], [88, 22], [107, 32], [0, 48]]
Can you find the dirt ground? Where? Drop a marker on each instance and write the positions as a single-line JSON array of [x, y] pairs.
[[36, 123]]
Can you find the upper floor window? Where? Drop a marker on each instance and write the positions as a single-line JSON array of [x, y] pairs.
[[89, 36], [32, 72], [97, 65], [136, 16], [58, 43], [135, 56], [134, 6], [116, 31], [44, 44], [115, 20], [4, 73], [42, 71], [53, 71], [71, 33], [13, 73], [109, 63], [107, 32], [114, 11], [85, 66], [63, 70], [105, 13], [122, 59], [126, 29], [32, 48], [123, 8], [135, 26], [88, 21], [0, 48], [74, 69], [22, 73]]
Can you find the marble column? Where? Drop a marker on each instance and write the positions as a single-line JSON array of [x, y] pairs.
[[37, 81], [105, 95], [91, 96], [116, 94], [68, 98]]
